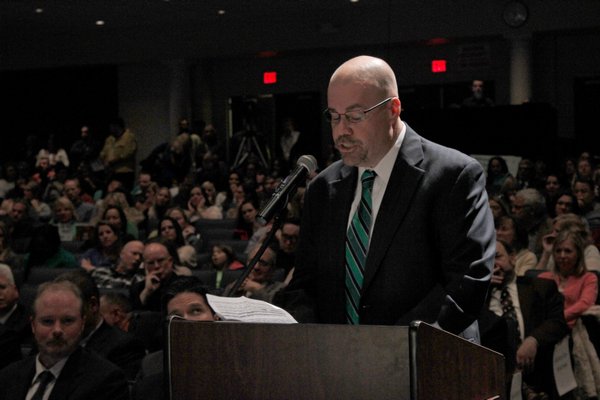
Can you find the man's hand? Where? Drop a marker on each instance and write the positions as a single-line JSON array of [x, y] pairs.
[[526, 353]]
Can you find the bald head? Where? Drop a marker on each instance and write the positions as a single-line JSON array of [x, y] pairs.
[[373, 73], [364, 110]]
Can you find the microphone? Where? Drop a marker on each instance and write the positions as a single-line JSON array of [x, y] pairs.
[[306, 165]]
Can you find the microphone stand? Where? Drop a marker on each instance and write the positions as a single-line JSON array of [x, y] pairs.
[[277, 223]]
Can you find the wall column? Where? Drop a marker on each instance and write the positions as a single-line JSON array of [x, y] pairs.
[[520, 69]]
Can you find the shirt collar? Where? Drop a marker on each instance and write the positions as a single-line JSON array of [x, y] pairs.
[[384, 168]]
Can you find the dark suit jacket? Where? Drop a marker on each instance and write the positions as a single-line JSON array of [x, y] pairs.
[[434, 235], [14, 333], [121, 348], [85, 376], [543, 316]]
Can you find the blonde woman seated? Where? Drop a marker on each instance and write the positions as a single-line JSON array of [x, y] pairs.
[[591, 254]]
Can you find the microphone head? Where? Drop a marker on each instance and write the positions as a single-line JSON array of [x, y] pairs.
[[309, 162]]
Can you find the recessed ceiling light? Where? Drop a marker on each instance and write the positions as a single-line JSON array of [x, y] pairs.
[[354, 1], [39, 10], [221, 12], [100, 22]]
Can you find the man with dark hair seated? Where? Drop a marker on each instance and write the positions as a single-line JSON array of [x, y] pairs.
[[523, 320], [184, 298], [109, 342]]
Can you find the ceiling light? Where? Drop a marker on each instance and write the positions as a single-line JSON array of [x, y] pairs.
[[39, 10], [221, 12], [99, 22]]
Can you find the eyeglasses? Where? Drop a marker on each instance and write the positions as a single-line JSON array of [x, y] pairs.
[[354, 116]]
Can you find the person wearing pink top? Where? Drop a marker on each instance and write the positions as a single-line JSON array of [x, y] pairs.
[[578, 286]]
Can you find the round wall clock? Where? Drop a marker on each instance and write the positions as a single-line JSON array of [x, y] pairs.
[[515, 13]]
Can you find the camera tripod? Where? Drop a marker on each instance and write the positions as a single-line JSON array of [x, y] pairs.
[[249, 145]]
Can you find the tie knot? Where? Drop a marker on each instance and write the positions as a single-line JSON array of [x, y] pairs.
[[367, 179], [45, 377]]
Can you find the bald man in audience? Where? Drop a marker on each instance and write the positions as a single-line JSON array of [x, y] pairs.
[[62, 369], [127, 270]]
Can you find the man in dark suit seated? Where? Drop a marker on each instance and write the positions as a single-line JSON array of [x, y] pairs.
[[524, 319], [61, 369], [14, 319], [117, 346]]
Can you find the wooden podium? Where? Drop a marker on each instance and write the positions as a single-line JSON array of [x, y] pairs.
[[227, 360]]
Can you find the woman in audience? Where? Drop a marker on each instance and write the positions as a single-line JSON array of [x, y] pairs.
[[591, 255], [169, 230], [115, 216], [235, 199], [566, 203], [498, 176], [580, 290], [551, 191], [199, 207], [107, 247], [508, 231], [188, 230], [65, 219], [246, 221], [39, 210], [498, 207]]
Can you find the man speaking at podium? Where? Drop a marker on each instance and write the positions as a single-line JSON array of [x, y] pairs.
[[400, 228]]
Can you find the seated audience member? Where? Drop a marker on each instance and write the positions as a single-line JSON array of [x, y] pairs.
[[106, 250], [62, 368], [578, 286], [580, 290], [8, 256], [65, 219], [21, 225], [185, 298], [199, 207], [146, 326], [497, 176], [566, 203], [508, 231], [38, 209], [83, 205], [125, 272], [573, 222], [46, 251], [160, 273], [115, 216], [107, 341], [529, 212], [584, 190], [288, 244], [259, 284], [524, 320], [552, 190], [222, 258], [14, 319], [246, 221], [188, 230], [498, 207]]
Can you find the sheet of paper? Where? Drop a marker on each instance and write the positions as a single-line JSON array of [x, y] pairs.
[[515, 386], [244, 309], [563, 372]]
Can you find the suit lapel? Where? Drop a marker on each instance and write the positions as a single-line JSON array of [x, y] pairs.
[[65, 383], [396, 202]]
